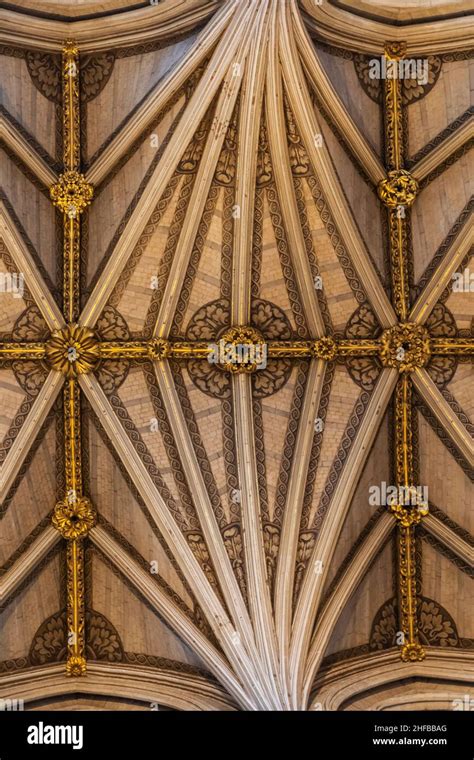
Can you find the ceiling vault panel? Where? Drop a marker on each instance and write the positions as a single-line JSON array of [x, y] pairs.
[[205, 349]]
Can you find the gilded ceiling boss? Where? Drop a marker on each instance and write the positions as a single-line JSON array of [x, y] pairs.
[[244, 135]]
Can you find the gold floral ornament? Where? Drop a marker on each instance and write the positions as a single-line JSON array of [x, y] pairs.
[[395, 50], [71, 194], [74, 519], [73, 350], [411, 498], [159, 349], [405, 346], [410, 508], [399, 188], [70, 48], [240, 349], [406, 517], [76, 666], [412, 652], [325, 348]]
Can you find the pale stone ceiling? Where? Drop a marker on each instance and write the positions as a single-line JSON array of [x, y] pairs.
[[173, 141]]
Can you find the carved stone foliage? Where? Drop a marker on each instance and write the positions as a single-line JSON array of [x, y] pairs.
[[372, 87], [193, 153], [103, 641], [306, 543], [384, 627], [412, 88], [95, 73], [227, 163], [436, 627], [45, 72], [270, 320], [441, 324], [362, 324], [112, 372], [50, 640], [211, 322], [30, 326], [271, 539], [200, 551], [299, 160], [364, 370], [264, 164], [232, 536]]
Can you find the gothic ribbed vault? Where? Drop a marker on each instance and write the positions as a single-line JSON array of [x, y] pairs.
[[238, 151]]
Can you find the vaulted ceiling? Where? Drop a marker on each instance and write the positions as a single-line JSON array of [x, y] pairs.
[[236, 149]]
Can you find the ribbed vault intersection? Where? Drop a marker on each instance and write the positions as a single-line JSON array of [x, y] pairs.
[[247, 478]]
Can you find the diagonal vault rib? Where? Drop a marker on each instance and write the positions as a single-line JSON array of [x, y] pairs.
[[449, 421], [209, 85], [217, 617], [314, 580], [353, 575], [359, 146], [34, 420], [305, 116], [170, 612]]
